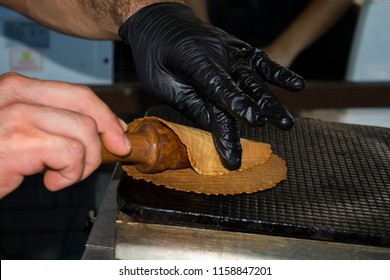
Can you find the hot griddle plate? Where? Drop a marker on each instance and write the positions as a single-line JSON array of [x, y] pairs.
[[338, 188]]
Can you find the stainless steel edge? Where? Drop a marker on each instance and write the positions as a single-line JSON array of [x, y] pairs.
[[101, 241]]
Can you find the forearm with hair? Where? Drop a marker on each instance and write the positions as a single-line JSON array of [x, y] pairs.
[[200, 8], [92, 19], [115, 11]]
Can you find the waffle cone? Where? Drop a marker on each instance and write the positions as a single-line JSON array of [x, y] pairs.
[[260, 169], [202, 153]]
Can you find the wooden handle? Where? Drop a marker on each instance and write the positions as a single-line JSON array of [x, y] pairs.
[[155, 148]]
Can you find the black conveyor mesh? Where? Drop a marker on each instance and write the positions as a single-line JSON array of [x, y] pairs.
[[338, 188]]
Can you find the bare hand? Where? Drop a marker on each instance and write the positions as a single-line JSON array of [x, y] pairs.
[[54, 128]]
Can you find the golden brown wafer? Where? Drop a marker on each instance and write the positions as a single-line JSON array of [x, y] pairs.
[[252, 180]]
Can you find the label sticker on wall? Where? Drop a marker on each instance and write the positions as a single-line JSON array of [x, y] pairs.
[[25, 60]]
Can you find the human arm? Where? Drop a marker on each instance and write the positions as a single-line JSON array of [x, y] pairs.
[[92, 19], [200, 8], [317, 18], [54, 128]]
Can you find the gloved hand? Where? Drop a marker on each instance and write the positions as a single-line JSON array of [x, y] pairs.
[[210, 76]]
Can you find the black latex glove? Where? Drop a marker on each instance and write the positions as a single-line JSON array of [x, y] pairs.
[[208, 75]]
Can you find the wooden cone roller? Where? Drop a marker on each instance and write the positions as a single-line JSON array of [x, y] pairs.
[[155, 148]]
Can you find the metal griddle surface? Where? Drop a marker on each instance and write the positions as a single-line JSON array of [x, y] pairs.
[[338, 188]]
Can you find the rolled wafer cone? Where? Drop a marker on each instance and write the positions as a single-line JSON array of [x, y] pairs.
[[201, 150], [260, 168]]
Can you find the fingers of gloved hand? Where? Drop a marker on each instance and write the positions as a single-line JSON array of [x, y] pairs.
[[217, 85], [226, 138], [208, 117], [253, 85], [187, 100], [280, 117], [274, 73]]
